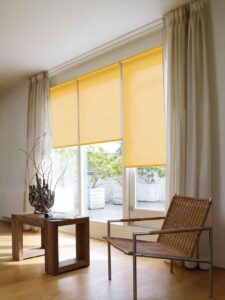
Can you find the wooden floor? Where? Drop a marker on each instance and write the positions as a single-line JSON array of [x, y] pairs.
[[27, 280]]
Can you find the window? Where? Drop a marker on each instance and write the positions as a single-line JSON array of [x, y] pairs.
[[103, 181], [116, 140]]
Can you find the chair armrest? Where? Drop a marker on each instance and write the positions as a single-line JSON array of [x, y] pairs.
[[135, 219], [130, 220], [171, 231]]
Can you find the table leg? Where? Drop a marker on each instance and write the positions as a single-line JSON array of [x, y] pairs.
[[17, 239], [82, 242], [42, 237], [51, 248]]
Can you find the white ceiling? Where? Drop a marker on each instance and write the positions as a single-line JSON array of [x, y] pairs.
[[38, 35]]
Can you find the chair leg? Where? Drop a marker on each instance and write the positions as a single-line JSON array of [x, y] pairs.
[[134, 277], [171, 266], [109, 261], [210, 281], [211, 263], [134, 268]]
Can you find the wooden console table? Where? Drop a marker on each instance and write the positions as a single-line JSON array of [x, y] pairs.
[[49, 241]]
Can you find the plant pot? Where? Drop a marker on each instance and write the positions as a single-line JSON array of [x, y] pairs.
[[146, 192], [96, 198], [117, 195]]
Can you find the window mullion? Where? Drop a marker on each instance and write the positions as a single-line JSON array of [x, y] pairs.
[[80, 166]]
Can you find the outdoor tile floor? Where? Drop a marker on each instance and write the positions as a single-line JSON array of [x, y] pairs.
[[115, 211]]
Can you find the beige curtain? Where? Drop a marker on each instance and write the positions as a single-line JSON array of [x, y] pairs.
[[187, 102], [38, 127]]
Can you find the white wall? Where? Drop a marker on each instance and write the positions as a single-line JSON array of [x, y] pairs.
[[216, 42], [13, 128]]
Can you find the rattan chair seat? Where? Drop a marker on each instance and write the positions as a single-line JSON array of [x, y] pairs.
[[144, 248]]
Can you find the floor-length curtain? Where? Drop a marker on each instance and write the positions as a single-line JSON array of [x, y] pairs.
[[187, 102], [38, 128]]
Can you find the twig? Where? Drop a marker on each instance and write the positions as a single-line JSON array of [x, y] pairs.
[[50, 170], [42, 155], [29, 157]]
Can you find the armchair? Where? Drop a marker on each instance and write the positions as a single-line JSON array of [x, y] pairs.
[[177, 239]]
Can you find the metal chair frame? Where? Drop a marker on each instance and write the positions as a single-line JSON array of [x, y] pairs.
[[136, 254]]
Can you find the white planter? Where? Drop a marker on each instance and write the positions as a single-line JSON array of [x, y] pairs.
[[146, 192], [96, 198], [117, 195], [151, 192]]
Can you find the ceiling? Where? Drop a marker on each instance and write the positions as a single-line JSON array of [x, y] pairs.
[[39, 35]]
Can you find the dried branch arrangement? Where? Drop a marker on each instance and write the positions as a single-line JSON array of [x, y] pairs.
[[42, 192]]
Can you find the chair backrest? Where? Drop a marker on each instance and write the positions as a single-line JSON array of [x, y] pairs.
[[184, 212]]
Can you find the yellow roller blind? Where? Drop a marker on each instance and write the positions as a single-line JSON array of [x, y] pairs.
[[144, 124], [64, 114], [100, 106]]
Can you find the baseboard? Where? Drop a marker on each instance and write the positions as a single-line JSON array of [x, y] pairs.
[[5, 219]]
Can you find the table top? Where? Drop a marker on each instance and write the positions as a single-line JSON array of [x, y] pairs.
[[58, 218]]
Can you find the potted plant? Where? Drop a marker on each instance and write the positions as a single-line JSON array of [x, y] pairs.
[[100, 169], [150, 177], [152, 174]]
